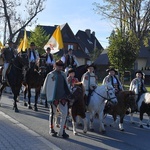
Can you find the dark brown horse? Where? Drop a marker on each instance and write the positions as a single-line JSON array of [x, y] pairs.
[[79, 107], [14, 76], [126, 100], [34, 80]]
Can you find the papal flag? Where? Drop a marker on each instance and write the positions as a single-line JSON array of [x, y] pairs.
[[55, 42], [24, 43]]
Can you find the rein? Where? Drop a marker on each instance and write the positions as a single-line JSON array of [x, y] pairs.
[[17, 67], [106, 98]]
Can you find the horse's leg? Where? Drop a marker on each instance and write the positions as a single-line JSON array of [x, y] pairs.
[[131, 118], [91, 121], [121, 123], [74, 124], [1, 90], [37, 93], [148, 121], [141, 118], [25, 93], [15, 103], [29, 98], [52, 111], [101, 117], [115, 120]]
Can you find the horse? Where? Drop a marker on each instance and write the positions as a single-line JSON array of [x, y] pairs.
[[97, 103], [143, 106], [79, 71], [126, 100], [14, 76], [34, 79], [79, 107]]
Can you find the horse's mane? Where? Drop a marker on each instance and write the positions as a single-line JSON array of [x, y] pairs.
[[79, 84]]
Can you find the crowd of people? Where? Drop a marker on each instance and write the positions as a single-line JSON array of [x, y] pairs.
[[60, 80]]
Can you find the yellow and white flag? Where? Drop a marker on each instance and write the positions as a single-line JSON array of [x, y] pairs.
[[55, 42], [24, 43]]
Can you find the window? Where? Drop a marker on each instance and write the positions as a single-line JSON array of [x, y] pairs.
[[70, 46]]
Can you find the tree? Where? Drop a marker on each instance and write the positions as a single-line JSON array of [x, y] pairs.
[[17, 14], [123, 50], [127, 15], [40, 38]]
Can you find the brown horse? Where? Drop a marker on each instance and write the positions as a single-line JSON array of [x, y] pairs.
[[79, 107], [126, 100], [34, 79]]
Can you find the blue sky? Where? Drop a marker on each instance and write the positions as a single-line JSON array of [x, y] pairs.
[[79, 14]]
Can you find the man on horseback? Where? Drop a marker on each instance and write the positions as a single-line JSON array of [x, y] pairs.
[[69, 60], [89, 81], [49, 60], [112, 79], [8, 54], [56, 91], [33, 56], [139, 82]]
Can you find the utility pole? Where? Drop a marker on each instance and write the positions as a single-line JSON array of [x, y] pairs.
[[5, 26]]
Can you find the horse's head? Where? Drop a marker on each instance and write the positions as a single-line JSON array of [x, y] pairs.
[[23, 59], [111, 94]]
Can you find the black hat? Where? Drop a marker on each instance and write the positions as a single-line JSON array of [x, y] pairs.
[[91, 65], [70, 49], [59, 63], [48, 49], [71, 70], [32, 44], [139, 71], [111, 69]]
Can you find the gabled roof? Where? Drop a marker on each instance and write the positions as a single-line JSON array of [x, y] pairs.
[[102, 59], [88, 42], [77, 53]]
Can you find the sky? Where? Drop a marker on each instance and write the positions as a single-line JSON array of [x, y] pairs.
[[79, 14]]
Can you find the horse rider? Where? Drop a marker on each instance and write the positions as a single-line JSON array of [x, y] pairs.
[[50, 61], [89, 80], [71, 78], [139, 82], [33, 56], [56, 91], [112, 79], [8, 55], [69, 60]]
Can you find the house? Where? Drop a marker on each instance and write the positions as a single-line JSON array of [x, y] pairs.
[[88, 41]]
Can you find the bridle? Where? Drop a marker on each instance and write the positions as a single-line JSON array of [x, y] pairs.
[[106, 98]]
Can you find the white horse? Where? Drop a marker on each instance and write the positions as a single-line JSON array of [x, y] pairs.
[[143, 105], [97, 103]]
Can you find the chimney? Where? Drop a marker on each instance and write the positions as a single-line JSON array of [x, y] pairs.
[[88, 32], [93, 33]]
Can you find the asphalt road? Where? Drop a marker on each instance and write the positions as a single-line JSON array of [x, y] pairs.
[[133, 138]]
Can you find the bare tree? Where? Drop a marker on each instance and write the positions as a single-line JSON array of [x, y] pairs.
[[18, 14], [128, 15]]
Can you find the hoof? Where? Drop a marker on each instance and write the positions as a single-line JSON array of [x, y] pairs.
[[85, 132], [35, 109], [41, 103], [92, 130], [103, 131], [80, 124], [121, 129], [57, 125], [16, 109], [141, 126], [147, 125], [25, 104], [105, 125], [46, 105], [75, 133], [132, 122], [29, 107]]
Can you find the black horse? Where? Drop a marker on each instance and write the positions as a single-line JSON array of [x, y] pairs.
[[14, 76], [34, 79], [79, 71]]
